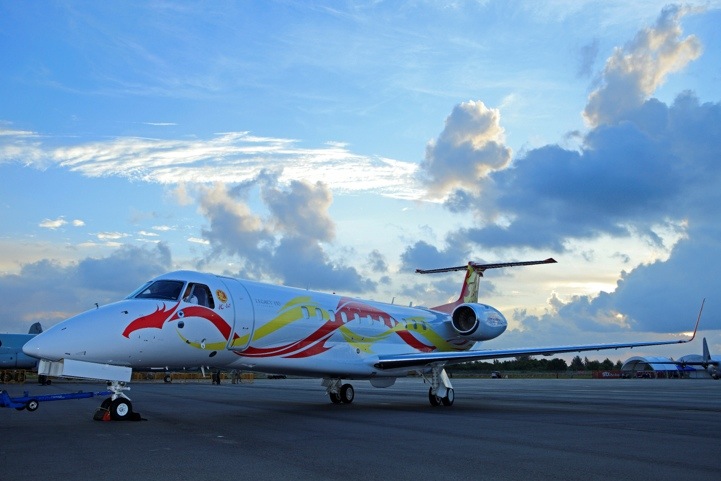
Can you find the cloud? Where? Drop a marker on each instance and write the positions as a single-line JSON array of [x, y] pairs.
[[287, 243], [53, 224], [377, 262], [643, 168], [587, 57], [233, 229], [468, 149], [660, 297], [635, 71], [301, 209], [59, 222], [49, 292], [232, 157]]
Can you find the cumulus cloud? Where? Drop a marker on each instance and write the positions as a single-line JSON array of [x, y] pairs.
[[234, 228], [301, 209], [635, 71], [377, 261], [49, 292], [643, 167], [469, 148], [53, 224], [287, 243]]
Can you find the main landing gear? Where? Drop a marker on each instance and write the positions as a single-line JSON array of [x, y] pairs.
[[441, 390], [118, 406], [338, 392]]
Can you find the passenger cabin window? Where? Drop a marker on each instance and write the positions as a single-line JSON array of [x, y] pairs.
[[164, 290], [198, 294]]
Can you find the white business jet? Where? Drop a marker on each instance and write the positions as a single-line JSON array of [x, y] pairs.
[[193, 319]]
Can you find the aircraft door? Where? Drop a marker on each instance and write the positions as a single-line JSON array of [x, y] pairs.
[[237, 299]]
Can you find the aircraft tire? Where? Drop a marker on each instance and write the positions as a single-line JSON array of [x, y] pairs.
[[167, 378], [347, 393], [120, 409], [335, 397], [434, 400], [450, 397], [32, 405]]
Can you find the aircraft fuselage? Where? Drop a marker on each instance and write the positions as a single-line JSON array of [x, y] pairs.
[[238, 324]]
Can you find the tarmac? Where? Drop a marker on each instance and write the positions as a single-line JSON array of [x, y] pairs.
[[500, 429]]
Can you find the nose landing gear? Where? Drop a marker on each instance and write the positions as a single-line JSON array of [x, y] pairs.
[[118, 406]]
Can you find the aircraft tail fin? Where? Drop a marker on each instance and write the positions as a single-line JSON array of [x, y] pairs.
[[474, 271], [706, 353], [36, 328]]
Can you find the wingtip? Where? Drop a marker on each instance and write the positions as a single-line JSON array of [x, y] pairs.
[[698, 321]]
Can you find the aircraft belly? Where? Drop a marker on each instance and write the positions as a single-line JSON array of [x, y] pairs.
[[307, 367]]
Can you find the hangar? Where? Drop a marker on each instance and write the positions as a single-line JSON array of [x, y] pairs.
[[658, 367]]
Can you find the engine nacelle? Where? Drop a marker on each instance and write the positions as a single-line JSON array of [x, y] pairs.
[[479, 322]]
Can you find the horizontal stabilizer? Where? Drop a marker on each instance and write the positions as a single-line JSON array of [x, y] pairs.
[[482, 267]]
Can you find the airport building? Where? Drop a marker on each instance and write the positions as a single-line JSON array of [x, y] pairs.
[[657, 367]]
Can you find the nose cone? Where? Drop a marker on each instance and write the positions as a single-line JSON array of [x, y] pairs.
[[43, 346], [83, 337]]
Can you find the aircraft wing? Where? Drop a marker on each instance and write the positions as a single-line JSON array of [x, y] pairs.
[[397, 361], [391, 361]]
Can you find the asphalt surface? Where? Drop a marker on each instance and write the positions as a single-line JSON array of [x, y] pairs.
[[288, 429]]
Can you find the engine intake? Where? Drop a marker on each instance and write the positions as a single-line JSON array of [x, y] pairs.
[[479, 322]]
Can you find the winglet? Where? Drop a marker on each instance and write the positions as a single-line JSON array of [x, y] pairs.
[[698, 320]]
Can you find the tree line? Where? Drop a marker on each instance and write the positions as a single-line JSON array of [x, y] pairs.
[[529, 363]]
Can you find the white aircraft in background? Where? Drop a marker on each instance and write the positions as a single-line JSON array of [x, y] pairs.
[[188, 318]]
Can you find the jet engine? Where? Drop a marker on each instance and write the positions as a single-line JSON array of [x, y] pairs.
[[478, 322]]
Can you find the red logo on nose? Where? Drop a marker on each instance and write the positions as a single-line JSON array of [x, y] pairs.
[[154, 320]]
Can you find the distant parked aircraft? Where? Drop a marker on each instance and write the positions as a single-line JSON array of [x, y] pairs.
[[706, 360], [11, 349]]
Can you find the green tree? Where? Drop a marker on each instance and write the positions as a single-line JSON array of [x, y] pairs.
[[591, 365], [577, 364], [607, 364], [557, 364]]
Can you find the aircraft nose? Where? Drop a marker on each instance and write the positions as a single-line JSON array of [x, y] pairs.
[[38, 347], [53, 344]]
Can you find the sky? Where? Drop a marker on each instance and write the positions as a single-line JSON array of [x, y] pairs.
[[338, 146]]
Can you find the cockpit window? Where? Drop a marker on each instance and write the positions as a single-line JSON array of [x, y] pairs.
[[198, 294], [165, 290]]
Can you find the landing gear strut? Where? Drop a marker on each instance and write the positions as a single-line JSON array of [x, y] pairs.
[[441, 390], [338, 392], [118, 406]]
